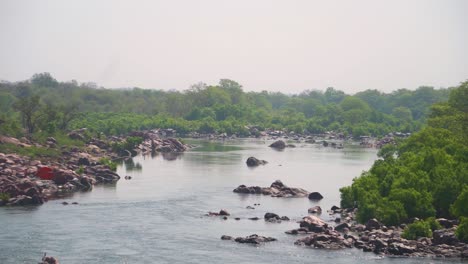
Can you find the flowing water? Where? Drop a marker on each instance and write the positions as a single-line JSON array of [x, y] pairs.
[[159, 215]]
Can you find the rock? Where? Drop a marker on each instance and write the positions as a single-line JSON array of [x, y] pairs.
[[49, 260], [250, 207], [342, 227], [254, 218], [254, 239], [400, 249], [83, 161], [315, 210], [315, 196], [447, 223], [223, 212], [277, 189], [253, 162], [373, 224], [224, 237], [65, 203], [278, 144], [51, 140], [269, 216], [75, 135], [237, 218], [378, 245], [284, 218], [445, 236], [313, 224], [327, 240], [299, 231]]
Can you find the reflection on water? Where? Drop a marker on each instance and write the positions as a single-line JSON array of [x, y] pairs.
[[131, 165]]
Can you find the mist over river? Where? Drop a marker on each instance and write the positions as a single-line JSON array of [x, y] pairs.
[[159, 215]]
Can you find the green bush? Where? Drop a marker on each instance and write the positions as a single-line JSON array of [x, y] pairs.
[[433, 223], [106, 161], [462, 230], [460, 206], [417, 229], [4, 197]]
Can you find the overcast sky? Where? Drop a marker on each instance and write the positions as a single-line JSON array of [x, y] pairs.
[[287, 46]]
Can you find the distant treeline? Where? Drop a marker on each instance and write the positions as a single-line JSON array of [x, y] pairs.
[[44, 104]]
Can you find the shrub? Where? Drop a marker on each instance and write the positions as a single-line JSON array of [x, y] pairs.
[[417, 229], [460, 208], [462, 230], [112, 165], [433, 223], [4, 197]]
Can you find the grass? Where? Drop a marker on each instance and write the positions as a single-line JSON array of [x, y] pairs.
[[33, 151]]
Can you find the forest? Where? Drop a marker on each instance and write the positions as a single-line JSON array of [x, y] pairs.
[[43, 104]]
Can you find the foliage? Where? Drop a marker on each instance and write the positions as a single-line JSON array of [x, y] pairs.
[[424, 176], [80, 170], [460, 206], [127, 145], [4, 197], [462, 230], [416, 230], [44, 104], [106, 161], [32, 151]]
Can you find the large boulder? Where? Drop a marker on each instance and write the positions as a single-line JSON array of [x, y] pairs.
[[253, 162], [279, 144], [313, 224], [270, 216], [315, 196], [373, 224]]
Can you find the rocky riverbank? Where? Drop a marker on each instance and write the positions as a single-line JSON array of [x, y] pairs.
[[76, 169], [377, 238], [343, 231]]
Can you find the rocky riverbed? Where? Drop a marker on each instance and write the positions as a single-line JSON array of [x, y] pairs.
[[345, 232]]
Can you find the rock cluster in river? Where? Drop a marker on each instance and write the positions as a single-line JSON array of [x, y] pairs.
[[277, 189], [252, 239], [377, 238]]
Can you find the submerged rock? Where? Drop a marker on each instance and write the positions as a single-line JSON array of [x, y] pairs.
[[254, 239], [253, 162], [315, 196], [279, 144], [315, 210]]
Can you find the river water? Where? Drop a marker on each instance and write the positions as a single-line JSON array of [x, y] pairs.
[[158, 215]]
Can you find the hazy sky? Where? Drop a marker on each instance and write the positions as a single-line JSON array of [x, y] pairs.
[[286, 46]]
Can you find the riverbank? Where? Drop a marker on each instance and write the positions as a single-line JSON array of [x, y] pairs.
[[26, 180]]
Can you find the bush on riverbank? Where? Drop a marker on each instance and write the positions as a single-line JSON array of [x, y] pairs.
[[416, 230], [462, 230], [425, 176]]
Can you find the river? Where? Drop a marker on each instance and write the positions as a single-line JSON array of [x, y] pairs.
[[158, 215]]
